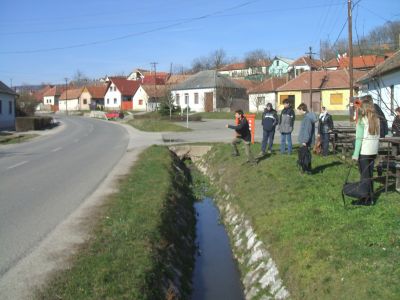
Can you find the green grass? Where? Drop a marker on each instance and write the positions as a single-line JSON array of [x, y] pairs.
[[137, 238], [155, 125], [15, 138], [322, 250]]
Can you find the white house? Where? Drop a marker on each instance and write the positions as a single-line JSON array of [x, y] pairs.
[[147, 97], [52, 95], [7, 107], [209, 91], [119, 93], [242, 70], [265, 93], [303, 64], [383, 84], [70, 100]]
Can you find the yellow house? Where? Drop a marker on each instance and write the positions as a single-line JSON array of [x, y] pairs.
[[330, 88]]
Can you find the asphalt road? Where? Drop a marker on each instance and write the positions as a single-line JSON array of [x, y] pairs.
[[45, 180]]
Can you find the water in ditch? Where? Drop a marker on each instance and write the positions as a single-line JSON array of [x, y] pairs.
[[215, 275]]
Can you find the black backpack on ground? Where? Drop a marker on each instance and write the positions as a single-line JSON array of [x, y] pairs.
[[304, 159], [357, 190]]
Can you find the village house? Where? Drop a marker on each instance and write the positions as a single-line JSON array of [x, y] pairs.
[[363, 62], [148, 97], [209, 91], [70, 100], [51, 97], [303, 64], [245, 71], [383, 84], [97, 93], [119, 93], [7, 107], [279, 66], [265, 93], [330, 88]]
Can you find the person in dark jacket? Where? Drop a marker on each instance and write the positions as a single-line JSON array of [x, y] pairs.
[[396, 124], [286, 125], [383, 124], [325, 127], [242, 133], [307, 132], [268, 122]]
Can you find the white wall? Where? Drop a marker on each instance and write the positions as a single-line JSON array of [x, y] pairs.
[[49, 100], [140, 95], [193, 107], [381, 92], [72, 104], [7, 119], [269, 98], [112, 94]]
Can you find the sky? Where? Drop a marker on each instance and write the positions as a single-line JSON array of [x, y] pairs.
[[46, 41]]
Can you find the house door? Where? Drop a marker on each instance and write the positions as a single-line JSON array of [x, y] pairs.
[[314, 104], [208, 102]]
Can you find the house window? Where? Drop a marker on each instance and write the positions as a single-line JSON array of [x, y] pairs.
[[140, 102], [10, 107], [108, 101], [261, 100], [336, 99], [84, 101], [186, 98], [115, 100], [392, 102], [115, 88], [178, 100], [1, 106], [110, 88], [196, 98], [277, 63]]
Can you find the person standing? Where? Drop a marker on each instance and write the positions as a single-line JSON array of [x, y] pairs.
[[242, 133], [306, 134], [396, 124], [286, 125], [366, 146], [268, 122], [325, 127]]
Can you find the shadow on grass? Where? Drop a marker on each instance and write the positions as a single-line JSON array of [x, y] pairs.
[[320, 169]]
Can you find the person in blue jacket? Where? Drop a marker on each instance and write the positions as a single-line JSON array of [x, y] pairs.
[[268, 122]]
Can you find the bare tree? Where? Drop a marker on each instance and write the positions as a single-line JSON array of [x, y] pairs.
[[253, 58], [213, 61], [218, 59], [26, 104]]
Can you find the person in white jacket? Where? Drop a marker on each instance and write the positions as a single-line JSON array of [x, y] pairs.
[[367, 145]]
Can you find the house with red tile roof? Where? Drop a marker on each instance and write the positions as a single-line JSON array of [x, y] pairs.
[[70, 100], [302, 64], [51, 95], [330, 88], [383, 84], [362, 62], [243, 70], [92, 97], [119, 93], [148, 97], [264, 93]]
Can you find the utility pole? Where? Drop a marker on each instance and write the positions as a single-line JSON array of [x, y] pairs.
[[310, 53], [154, 64], [349, 9], [66, 95]]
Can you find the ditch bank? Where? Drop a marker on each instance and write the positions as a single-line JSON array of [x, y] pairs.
[[259, 273]]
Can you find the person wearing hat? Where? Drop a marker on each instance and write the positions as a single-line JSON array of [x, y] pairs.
[[325, 127], [269, 121]]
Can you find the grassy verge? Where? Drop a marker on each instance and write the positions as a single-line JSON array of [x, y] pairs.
[[323, 251], [15, 138], [156, 125], [143, 240]]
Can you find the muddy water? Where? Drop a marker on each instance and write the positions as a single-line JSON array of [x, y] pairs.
[[215, 276]]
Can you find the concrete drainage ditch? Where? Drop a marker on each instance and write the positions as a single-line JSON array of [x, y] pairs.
[[259, 273]]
